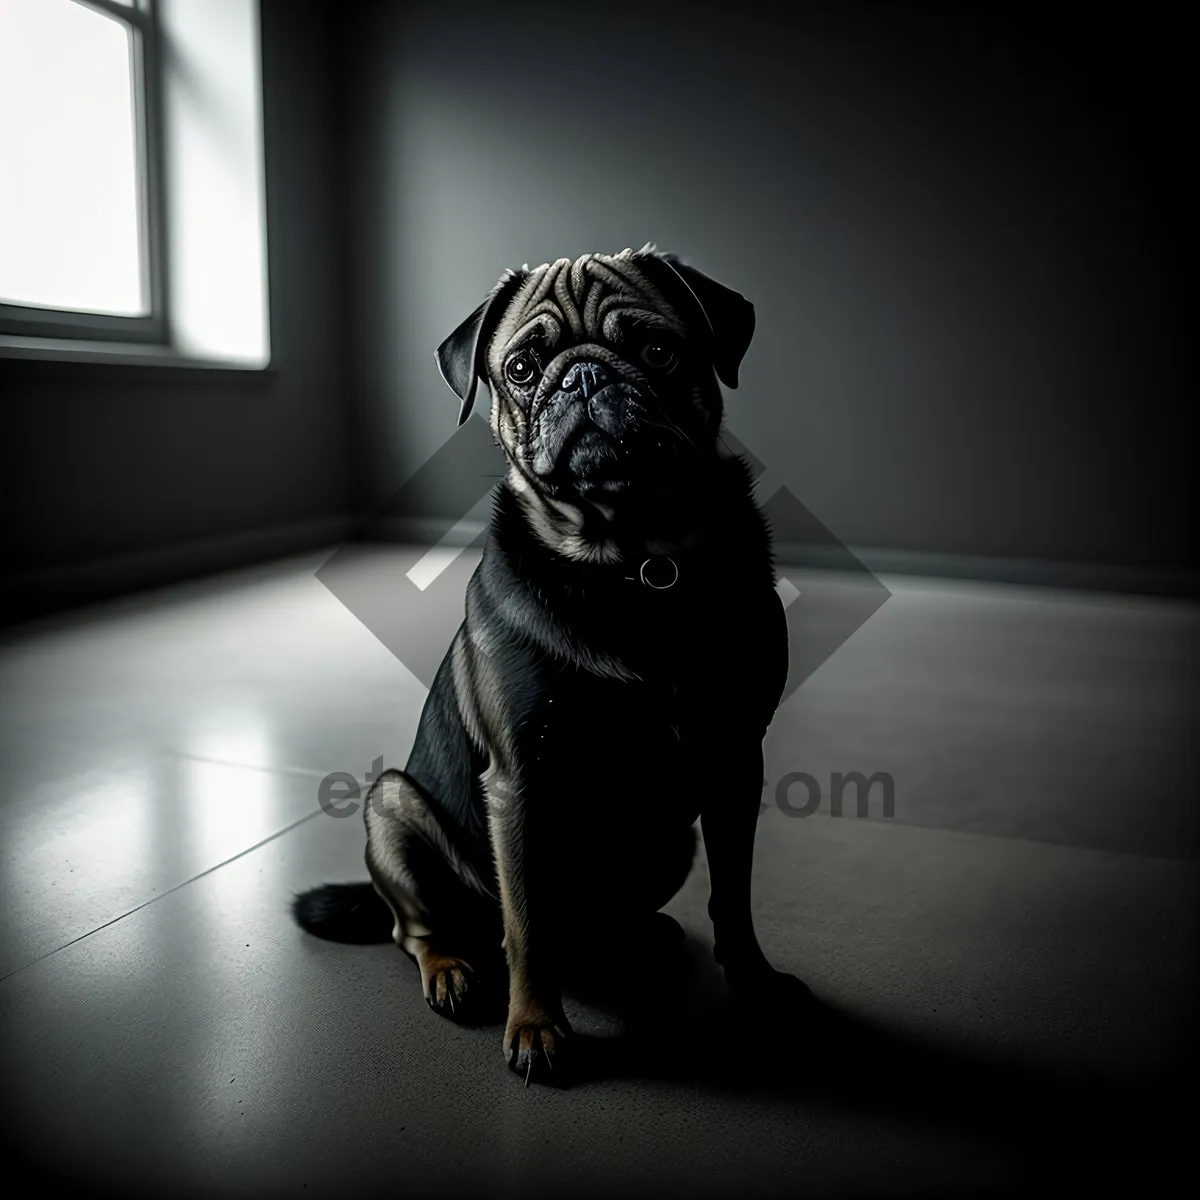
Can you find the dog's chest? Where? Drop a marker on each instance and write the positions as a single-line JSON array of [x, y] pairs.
[[606, 739]]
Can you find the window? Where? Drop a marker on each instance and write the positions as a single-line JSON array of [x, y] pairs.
[[80, 222], [132, 182]]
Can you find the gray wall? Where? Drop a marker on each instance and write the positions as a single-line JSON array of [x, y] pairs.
[[966, 232], [959, 225], [97, 462]]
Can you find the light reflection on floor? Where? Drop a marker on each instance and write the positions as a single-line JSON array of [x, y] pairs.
[[158, 806]]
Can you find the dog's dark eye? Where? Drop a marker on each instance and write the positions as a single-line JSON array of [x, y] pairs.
[[521, 368], [658, 356]]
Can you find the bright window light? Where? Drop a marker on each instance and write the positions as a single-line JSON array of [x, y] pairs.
[[71, 186], [214, 177]]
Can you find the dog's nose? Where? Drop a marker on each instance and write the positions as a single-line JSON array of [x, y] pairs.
[[587, 378]]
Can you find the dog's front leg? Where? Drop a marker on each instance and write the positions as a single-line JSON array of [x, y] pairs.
[[536, 1027], [728, 820]]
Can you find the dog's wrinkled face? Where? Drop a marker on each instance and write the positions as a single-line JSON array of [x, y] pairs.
[[596, 380], [603, 376]]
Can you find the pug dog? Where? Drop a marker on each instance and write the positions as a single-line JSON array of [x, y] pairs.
[[622, 654]]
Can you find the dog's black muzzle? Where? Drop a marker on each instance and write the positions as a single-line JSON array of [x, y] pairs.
[[609, 403], [587, 432]]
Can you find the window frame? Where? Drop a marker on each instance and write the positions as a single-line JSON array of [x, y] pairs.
[[26, 320]]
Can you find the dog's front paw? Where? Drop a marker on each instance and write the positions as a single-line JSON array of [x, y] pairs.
[[533, 1046], [447, 984], [767, 992]]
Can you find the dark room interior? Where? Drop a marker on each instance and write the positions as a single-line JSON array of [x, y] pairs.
[[239, 519]]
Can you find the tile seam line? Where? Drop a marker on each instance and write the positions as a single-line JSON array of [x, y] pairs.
[[162, 895], [290, 771], [1081, 847], [309, 816]]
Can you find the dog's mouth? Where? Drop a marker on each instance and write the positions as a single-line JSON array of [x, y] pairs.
[[595, 462], [592, 462], [604, 444]]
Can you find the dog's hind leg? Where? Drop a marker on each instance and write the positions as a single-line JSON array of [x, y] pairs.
[[624, 918], [442, 917]]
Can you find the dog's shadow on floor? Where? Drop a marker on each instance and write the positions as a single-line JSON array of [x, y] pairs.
[[668, 1020]]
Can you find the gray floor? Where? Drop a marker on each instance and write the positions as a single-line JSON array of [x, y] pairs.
[[1006, 962]]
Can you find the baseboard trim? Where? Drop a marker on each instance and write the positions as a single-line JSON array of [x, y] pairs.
[[422, 531], [879, 561], [1079, 576], [51, 590], [38, 593]]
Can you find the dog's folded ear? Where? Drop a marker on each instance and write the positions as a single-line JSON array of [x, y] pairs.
[[727, 315], [462, 357]]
